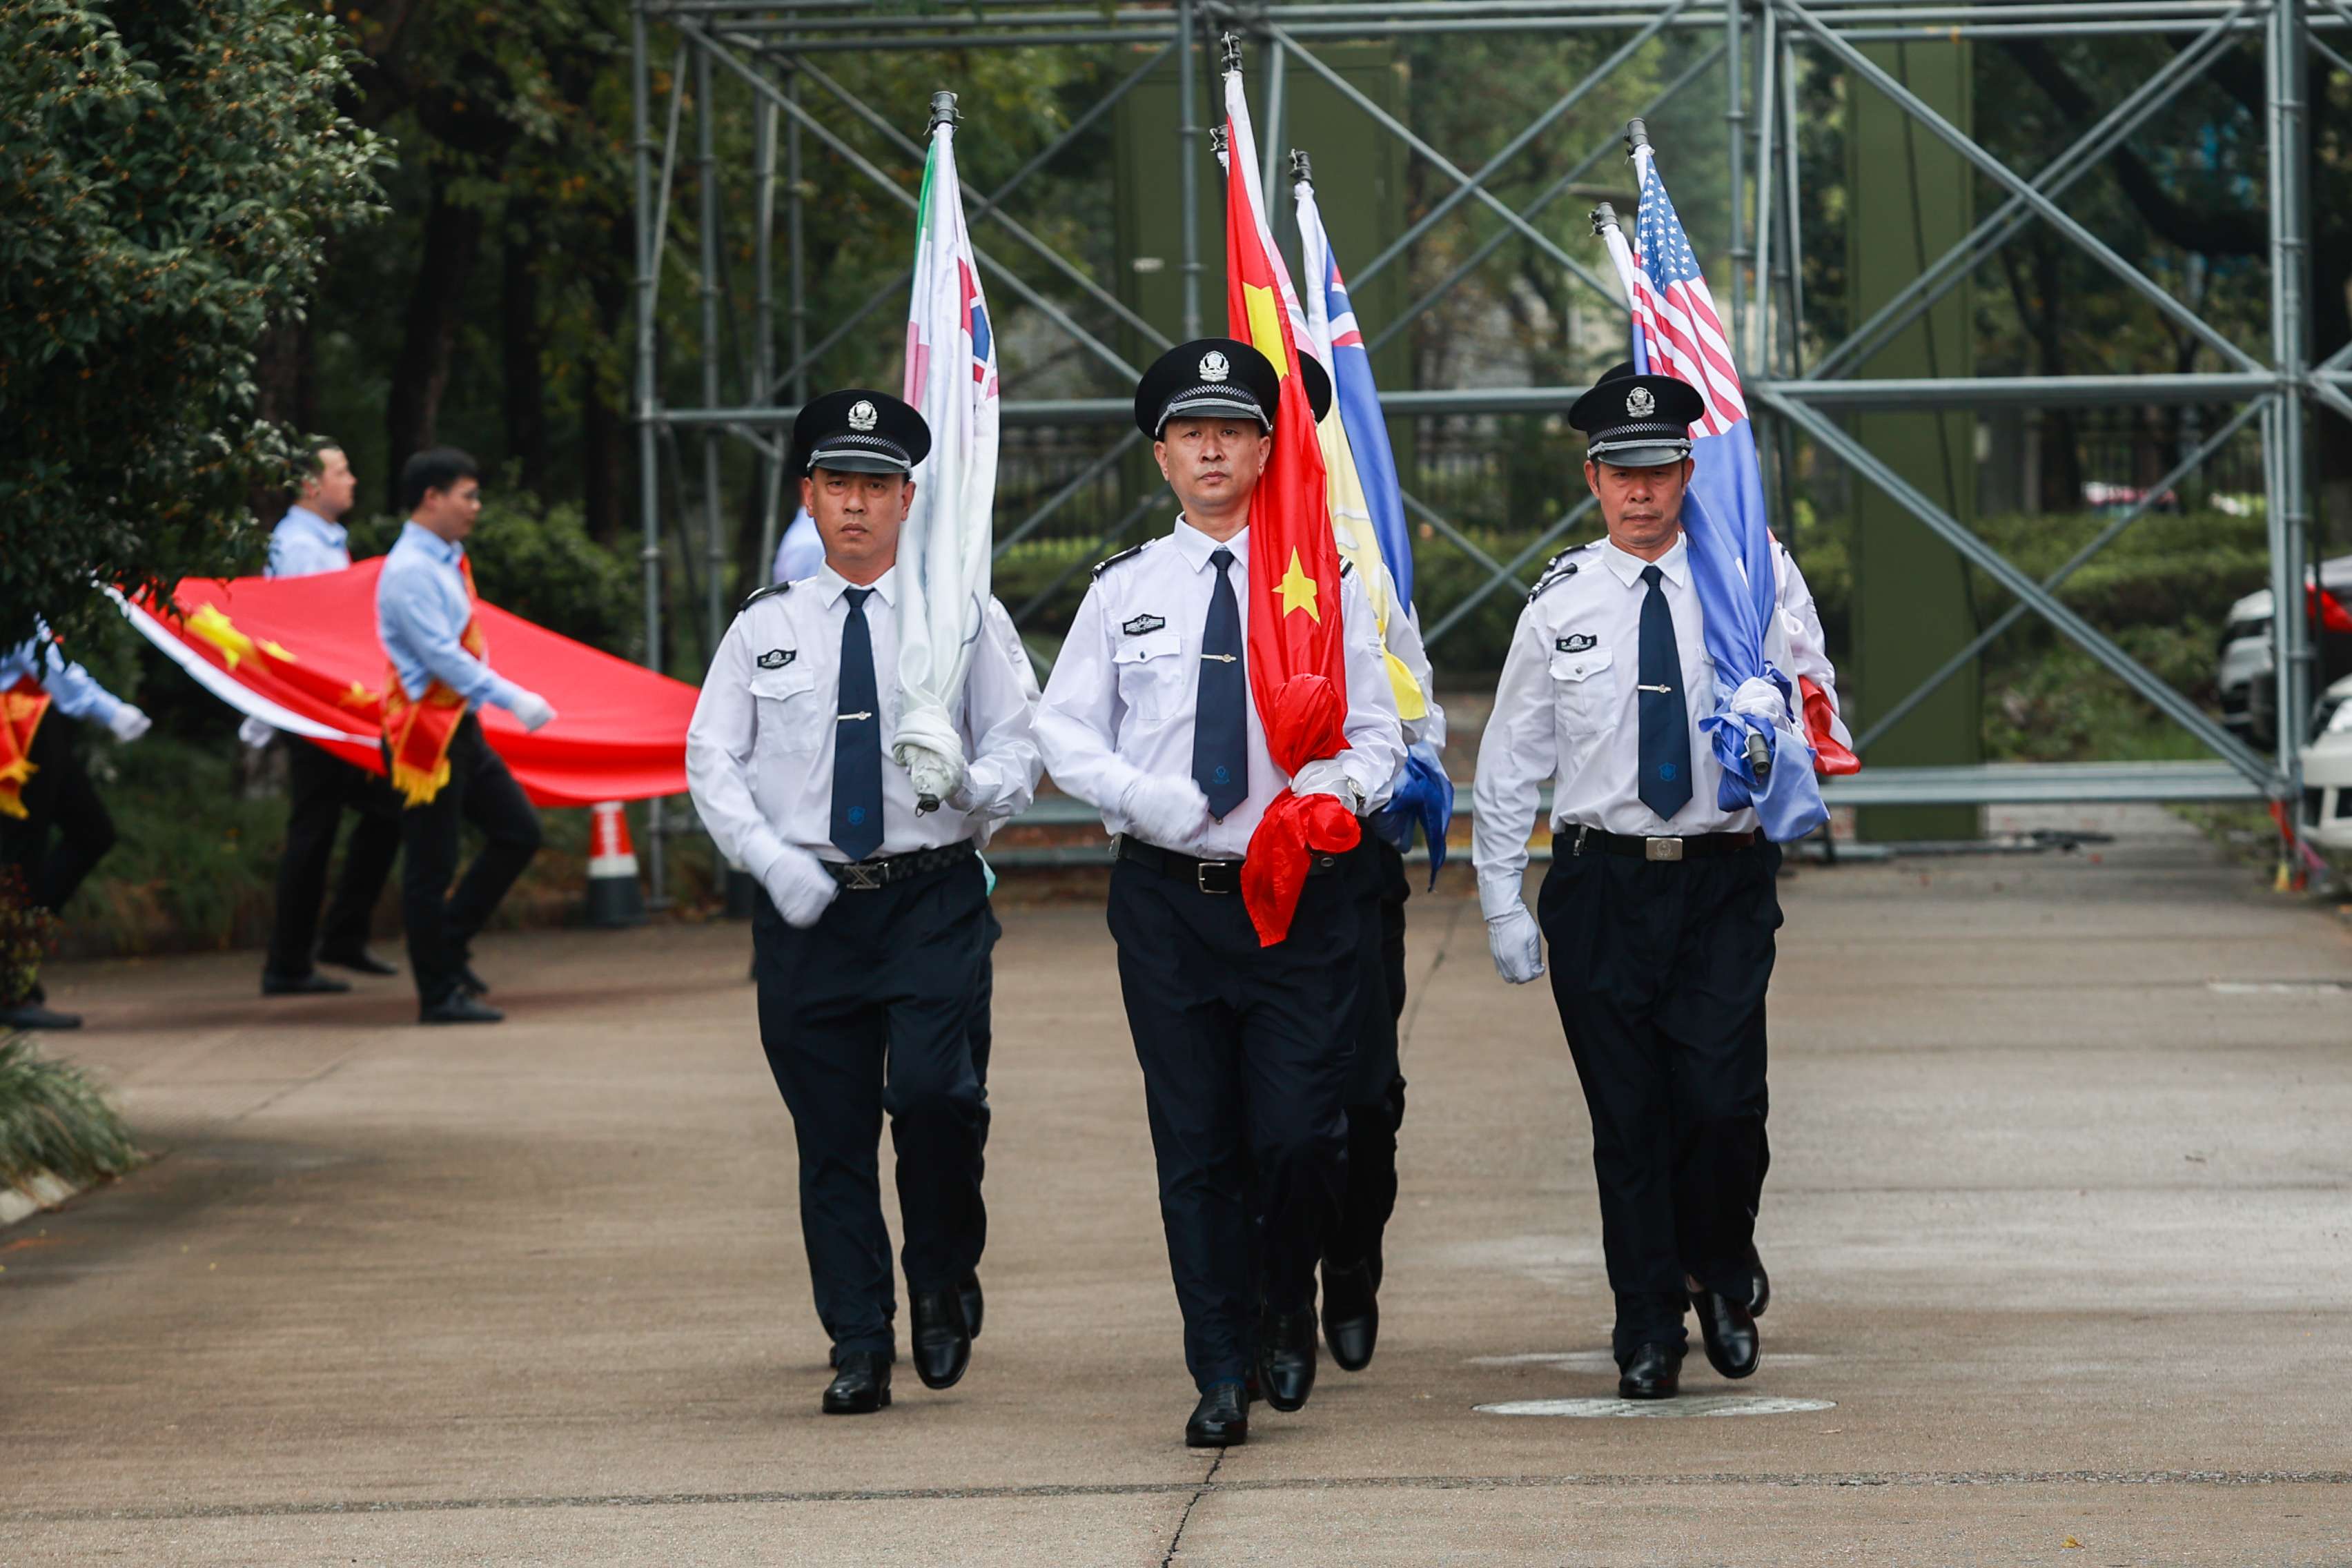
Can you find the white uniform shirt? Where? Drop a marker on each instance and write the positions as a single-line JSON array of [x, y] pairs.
[[304, 544], [759, 751], [1119, 702], [1404, 639], [1567, 710]]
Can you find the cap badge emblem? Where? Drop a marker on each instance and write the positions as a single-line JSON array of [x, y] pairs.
[[1214, 366], [862, 416], [1640, 404]]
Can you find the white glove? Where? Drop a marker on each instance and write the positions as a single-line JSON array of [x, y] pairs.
[[1516, 942], [129, 723], [255, 732], [800, 886], [1165, 811], [533, 711], [1323, 775], [1760, 698]]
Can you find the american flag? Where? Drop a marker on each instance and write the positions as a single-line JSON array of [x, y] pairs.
[[1675, 314]]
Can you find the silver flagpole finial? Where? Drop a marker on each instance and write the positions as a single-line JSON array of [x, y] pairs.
[[1231, 45], [1300, 169], [1603, 216], [1637, 135], [944, 109]]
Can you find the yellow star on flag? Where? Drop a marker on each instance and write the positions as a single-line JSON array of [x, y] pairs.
[[1297, 590], [1266, 326]]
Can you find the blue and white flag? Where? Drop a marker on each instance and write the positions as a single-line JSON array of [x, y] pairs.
[[1676, 332], [944, 550]]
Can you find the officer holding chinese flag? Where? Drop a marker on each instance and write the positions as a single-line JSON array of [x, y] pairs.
[[1222, 698]]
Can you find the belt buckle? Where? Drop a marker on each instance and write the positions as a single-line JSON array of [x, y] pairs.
[[861, 878], [1662, 849], [1200, 874]]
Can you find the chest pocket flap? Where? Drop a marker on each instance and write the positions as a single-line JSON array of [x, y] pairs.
[[1581, 666], [782, 685], [1148, 647]]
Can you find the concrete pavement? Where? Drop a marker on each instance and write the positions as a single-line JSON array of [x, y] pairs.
[[2058, 1222]]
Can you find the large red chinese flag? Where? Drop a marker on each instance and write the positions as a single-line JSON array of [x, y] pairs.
[[1297, 665]]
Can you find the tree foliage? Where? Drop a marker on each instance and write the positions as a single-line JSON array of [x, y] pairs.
[[168, 170]]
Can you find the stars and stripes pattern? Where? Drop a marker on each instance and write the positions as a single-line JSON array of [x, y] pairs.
[[1675, 316]]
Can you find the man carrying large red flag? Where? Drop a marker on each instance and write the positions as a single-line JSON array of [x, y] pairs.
[[1149, 715]]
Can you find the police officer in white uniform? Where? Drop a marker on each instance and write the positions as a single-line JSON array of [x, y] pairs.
[[1244, 1054], [1353, 1262], [870, 942], [1660, 906]]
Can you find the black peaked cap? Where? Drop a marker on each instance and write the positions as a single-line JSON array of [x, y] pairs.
[[1204, 378], [1637, 421], [859, 431]]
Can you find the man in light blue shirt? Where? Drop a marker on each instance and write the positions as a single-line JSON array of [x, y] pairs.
[[423, 608], [321, 785], [57, 794]]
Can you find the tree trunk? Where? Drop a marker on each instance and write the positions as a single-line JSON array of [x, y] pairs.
[[285, 372], [453, 238], [523, 379]]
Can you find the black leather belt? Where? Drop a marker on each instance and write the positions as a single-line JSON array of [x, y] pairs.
[[1697, 847], [866, 876], [1206, 876]]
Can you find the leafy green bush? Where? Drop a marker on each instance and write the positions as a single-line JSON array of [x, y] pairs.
[[540, 562]]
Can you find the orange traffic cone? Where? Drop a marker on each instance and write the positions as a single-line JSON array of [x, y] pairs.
[[614, 897]]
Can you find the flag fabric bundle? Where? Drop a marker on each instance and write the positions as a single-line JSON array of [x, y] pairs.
[[300, 654], [1296, 652], [1368, 508], [944, 550], [1677, 332]]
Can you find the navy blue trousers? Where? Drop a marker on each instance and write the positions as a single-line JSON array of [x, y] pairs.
[[1375, 1079], [871, 1011], [1659, 970], [1245, 1059]]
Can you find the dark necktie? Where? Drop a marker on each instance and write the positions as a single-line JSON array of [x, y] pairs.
[[1664, 786], [1220, 716], [857, 740]]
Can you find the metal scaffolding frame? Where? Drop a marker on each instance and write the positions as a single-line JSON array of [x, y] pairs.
[[778, 52]]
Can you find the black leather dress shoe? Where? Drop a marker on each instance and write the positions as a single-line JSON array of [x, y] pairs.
[[1653, 1372], [35, 1015], [860, 1385], [942, 1343], [458, 1008], [1221, 1420], [1732, 1344], [471, 984], [311, 984], [1285, 1359], [1759, 1293], [974, 1304], [1351, 1315], [357, 959]]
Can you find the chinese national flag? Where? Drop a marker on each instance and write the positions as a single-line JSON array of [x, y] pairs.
[[1297, 654]]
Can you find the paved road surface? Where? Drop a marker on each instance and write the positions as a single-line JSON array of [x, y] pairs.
[[2058, 1219]]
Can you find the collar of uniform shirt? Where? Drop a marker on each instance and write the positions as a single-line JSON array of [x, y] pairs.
[[334, 533], [1674, 565], [831, 585], [446, 550], [1197, 547]]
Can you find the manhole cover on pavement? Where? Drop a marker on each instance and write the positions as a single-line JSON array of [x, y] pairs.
[[1660, 1409]]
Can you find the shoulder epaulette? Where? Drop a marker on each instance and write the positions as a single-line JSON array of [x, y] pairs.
[[1132, 550], [758, 594], [1559, 569]]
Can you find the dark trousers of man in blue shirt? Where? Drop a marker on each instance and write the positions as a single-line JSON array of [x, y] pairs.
[[441, 924]]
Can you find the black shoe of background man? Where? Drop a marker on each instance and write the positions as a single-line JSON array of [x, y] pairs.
[[1221, 1420], [1653, 1372], [1285, 1358], [942, 1344], [1759, 1293], [357, 959], [1351, 1314], [311, 984], [471, 984], [974, 1304], [860, 1385], [33, 1016], [1733, 1346], [458, 1008]]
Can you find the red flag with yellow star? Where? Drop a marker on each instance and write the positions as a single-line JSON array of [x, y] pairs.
[[1298, 666]]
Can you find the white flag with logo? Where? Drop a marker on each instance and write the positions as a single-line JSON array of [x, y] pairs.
[[944, 550]]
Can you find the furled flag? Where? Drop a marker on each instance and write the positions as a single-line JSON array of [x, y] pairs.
[[952, 381], [1368, 508], [1297, 666], [1677, 332]]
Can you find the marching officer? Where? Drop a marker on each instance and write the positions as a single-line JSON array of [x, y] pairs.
[[1660, 906], [1352, 1262], [1147, 715], [870, 944]]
